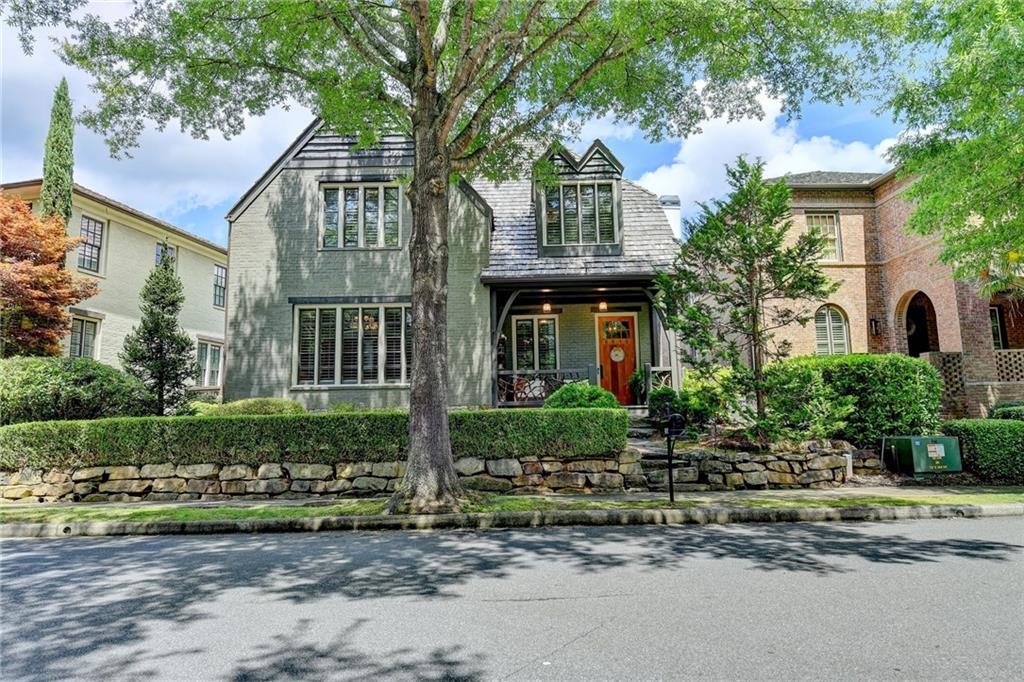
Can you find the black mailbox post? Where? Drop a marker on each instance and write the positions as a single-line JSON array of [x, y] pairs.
[[674, 425]]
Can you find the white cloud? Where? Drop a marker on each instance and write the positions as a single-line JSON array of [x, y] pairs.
[[698, 171], [170, 173]]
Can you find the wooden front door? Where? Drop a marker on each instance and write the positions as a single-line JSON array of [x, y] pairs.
[[616, 351]]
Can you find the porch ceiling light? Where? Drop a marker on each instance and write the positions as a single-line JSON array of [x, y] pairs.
[[602, 306], [546, 307]]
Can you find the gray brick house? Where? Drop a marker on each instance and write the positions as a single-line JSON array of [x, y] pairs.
[[547, 285]]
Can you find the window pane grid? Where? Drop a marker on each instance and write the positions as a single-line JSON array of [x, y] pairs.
[[535, 342], [374, 345], [331, 214], [579, 213], [220, 283], [83, 338], [92, 242], [827, 225], [367, 217], [351, 217], [391, 216]]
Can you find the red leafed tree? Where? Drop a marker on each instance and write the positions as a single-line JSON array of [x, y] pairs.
[[35, 287]]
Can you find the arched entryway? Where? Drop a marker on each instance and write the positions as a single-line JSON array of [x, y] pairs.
[[922, 328]]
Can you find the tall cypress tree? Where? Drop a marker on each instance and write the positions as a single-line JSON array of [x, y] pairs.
[[158, 351], [58, 159]]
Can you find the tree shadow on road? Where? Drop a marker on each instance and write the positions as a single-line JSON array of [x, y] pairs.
[[66, 599]]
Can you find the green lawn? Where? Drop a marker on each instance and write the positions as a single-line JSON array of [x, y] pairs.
[[481, 503]]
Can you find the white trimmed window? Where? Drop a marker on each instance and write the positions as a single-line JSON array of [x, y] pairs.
[[535, 342], [209, 357], [580, 213], [91, 245], [361, 216], [353, 345], [831, 332], [827, 225], [83, 338]]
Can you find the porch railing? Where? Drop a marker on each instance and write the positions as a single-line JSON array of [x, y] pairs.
[[532, 387], [1010, 365], [656, 377]]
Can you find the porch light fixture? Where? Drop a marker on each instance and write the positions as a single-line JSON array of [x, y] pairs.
[[546, 307], [602, 306]]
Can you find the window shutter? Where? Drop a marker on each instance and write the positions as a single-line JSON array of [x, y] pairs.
[[330, 218], [307, 345], [821, 328], [351, 218], [588, 215], [570, 214], [371, 216], [393, 345], [840, 345], [325, 374], [391, 205], [553, 215], [349, 346], [605, 214]]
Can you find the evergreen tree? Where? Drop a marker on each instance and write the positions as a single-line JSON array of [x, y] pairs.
[[58, 159], [738, 278], [158, 351]]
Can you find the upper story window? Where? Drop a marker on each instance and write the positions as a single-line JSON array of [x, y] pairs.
[[220, 283], [91, 244], [827, 225], [580, 213], [164, 251], [83, 338], [361, 216], [998, 325], [831, 333]]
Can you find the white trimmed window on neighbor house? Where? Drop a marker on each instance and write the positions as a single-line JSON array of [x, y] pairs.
[[361, 216], [82, 343], [827, 225], [208, 357], [220, 283], [344, 345], [580, 213], [831, 331], [91, 246]]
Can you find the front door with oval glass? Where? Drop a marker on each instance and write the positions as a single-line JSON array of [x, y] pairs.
[[616, 350]]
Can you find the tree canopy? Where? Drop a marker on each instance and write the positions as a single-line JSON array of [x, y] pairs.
[[965, 146]]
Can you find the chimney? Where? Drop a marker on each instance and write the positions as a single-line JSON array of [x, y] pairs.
[[670, 204]]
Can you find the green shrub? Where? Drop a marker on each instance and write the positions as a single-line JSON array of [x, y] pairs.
[[991, 448], [250, 406], [42, 389], [660, 401], [312, 438], [1005, 403], [1008, 413], [799, 404], [893, 395], [582, 395], [638, 385], [702, 401]]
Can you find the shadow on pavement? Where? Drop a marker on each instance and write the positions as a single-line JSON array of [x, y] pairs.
[[65, 599]]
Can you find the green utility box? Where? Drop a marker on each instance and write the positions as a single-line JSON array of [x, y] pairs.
[[922, 456]]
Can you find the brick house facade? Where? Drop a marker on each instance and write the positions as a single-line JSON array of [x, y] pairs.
[[896, 296]]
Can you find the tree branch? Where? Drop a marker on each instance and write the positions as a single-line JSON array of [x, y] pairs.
[[358, 45]]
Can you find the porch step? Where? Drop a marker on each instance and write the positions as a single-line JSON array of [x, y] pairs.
[[638, 431]]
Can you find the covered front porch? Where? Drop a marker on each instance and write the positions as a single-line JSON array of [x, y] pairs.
[[548, 334]]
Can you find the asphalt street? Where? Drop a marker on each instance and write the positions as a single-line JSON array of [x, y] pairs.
[[938, 600]]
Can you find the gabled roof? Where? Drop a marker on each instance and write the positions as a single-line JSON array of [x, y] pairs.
[[597, 148], [124, 208]]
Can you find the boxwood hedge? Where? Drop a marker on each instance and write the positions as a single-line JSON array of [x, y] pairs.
[[991, 448], [310, 438]]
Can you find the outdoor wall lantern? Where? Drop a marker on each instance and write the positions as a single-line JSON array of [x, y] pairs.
[[602, 306], [546, 307]]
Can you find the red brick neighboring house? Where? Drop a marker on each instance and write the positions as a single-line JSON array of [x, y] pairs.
[[896, 296]]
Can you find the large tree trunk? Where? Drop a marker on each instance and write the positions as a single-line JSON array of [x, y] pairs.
[[431, 483]]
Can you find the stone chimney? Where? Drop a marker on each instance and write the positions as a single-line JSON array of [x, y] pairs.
[[670, 204]]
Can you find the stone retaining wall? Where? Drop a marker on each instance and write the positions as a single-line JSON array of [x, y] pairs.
[[815, 464], [168, 482]]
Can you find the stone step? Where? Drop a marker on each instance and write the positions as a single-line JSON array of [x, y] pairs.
[[640, 432]]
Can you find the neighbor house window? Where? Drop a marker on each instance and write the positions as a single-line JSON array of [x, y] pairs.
[[831, 332], [580, 213], [208, 357], [83, 338], [354, 345], [164, 251], [362, 216], [220, 283], [995, 316], [535, 342], [827, 225], [91, 244]]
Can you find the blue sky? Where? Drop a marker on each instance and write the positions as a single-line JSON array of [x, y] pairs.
[[192, 183]]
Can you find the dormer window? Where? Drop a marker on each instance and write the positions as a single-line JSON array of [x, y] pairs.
[[580, 213]]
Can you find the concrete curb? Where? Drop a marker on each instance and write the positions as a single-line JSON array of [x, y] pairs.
[[591, 517]]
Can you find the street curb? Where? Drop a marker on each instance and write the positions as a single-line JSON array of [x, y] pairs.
[[590, 517]]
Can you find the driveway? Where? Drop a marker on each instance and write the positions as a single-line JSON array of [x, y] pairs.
[[940, 599]]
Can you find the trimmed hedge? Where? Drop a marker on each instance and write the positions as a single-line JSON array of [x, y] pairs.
[[893, 395], [582, 395], [1009, 412], [1005, 403], [991, 448], [37, 389], [377, 436]]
